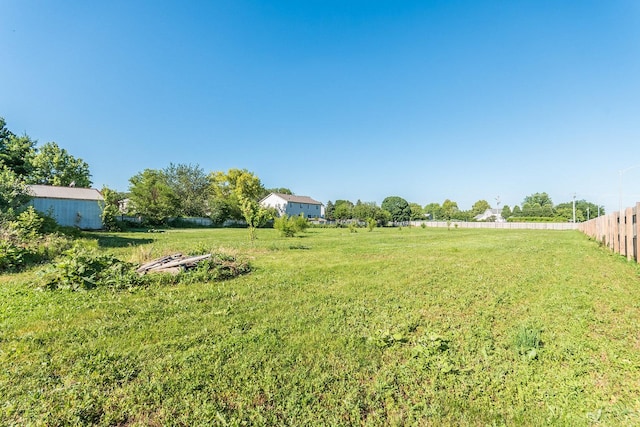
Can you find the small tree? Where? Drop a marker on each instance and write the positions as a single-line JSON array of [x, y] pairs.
[[110, 210], [254, 214]]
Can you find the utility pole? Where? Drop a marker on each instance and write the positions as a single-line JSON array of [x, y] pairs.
[[574, 208]]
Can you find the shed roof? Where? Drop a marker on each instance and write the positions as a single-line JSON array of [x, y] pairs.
[[70, 193], [297, 199]]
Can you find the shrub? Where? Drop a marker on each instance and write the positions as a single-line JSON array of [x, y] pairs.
[[290, 225], [82, 267], [11, 256], [285, 226]]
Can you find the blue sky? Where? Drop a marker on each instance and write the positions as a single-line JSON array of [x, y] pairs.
[[426, 100]]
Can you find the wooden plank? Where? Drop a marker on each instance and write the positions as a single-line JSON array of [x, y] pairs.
[[628, 233], [186, 261]]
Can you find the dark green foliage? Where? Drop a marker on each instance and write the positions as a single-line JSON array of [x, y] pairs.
[[82, 267], [506, 212], [398, 208], [12, 256], [53, 165], [527, 341], [328, 211], [189, 184], [152, 197], [29, 238], [13, 190]]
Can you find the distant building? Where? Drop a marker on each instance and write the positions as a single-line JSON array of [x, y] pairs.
[[69, 206], [490, 215], [288, 204]]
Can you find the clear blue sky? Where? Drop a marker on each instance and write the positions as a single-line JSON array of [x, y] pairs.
[[426, 100]]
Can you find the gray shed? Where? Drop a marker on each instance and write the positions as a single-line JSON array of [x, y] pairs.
[[70, 206]]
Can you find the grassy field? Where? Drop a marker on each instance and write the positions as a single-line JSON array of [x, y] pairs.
[[390, 327]]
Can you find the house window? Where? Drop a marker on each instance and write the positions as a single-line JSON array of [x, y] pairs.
[[300, 205]]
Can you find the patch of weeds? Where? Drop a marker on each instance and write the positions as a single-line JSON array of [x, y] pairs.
[[303, 247], [385, 338], [433, 352], [527, 341], [84, 268]]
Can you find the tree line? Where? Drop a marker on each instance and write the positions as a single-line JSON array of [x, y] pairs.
[[182, 190], [535, 207]]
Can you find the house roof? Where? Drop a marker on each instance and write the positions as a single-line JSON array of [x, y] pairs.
[[297, 199], [70, 193]]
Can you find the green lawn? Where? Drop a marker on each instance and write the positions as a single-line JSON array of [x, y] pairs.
[[390, 327]]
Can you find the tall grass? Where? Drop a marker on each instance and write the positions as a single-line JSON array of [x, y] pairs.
[[419, 326]]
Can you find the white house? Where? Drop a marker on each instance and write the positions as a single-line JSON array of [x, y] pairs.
[[69, 206], [288, 204], [490, 215]]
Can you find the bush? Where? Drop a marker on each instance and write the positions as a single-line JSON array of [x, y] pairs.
[[82, 267], [24, 242], [290, 225], [11, 256]]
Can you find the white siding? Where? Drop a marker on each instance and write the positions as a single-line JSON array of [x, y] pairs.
[[85, 214]]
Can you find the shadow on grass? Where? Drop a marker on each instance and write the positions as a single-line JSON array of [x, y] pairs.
[[110, 241]]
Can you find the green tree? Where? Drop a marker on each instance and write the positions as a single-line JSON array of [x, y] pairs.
[[233, 185], [189, 184], [506, 212], [53, 165], [343, 210], [449, 209], [479, 207], [111, 209], [152, 197], [417, 213], [254, 214], [328, 211], [517, 211], [584, 210], [13, 191], [537, 204], [17, 153], [279, 190], [434, 211], [398, 208]]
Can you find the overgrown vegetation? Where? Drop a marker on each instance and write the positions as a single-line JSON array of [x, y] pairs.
[[288, 226], [30, 238], [83, 267], [384, 328]]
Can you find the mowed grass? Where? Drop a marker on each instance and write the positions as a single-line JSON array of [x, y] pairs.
[[392, 327]]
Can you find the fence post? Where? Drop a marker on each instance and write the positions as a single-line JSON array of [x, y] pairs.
[[628, 233], [636, 232]]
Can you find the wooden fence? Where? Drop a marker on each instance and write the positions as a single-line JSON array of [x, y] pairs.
[[619, 231]]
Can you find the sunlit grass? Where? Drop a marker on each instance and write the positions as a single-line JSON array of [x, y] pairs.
[[411, 326]]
